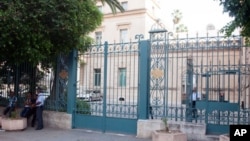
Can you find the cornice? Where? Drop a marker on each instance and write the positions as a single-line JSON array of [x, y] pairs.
[[126, 13]]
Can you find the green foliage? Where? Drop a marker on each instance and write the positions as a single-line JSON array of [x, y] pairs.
[[113, 4], [83, 107], [36, 31], [178, 26], [13, 114], [177, 16], [165, 121], [240, 11], [181, 28]]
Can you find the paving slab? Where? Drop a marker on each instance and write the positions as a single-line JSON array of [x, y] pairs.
[[54, 134]]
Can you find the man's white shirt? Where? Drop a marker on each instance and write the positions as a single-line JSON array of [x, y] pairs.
[[41, 99], [196, 96]]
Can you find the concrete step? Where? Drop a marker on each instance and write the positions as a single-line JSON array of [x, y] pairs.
[[205, 138], [212, 137]]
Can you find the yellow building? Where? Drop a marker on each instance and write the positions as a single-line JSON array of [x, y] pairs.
[[138, 18]]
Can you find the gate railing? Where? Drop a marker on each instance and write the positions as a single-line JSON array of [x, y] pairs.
[[112, 69], [218, 68], [26, 78]]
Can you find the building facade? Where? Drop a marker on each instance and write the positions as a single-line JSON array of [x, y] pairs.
[[138, 18]]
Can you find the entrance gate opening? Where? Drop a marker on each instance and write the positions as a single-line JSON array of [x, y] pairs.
[[221, 100]]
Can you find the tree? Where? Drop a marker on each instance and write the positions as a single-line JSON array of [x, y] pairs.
[[177, 26], [240, 11], [181, 28], [36, 31], [177, 16], [113, 4]]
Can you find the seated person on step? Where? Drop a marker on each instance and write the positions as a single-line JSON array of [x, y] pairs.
[[27, 106], [11, 105]]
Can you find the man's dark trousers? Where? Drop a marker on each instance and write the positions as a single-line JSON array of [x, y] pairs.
[[39, 116]]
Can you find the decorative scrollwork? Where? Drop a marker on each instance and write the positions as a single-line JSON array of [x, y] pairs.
[[94, 49], [110, 48], [118, 48], [157, 73], [126, 48], [134, 47], [139, 37], [101, 49]]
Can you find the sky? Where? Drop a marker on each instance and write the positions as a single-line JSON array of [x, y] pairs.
[[197, 14]]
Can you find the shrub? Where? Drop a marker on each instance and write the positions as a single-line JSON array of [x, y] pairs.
[[165, 121], [83, 107], [13, 114]]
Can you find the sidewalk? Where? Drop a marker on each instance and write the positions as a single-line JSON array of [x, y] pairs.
[[52, 134]]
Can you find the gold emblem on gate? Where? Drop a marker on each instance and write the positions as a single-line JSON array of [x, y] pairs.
[[157, 73]]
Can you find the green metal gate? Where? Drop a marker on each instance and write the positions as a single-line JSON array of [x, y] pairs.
[[121, 83], [216, 66], [107, 89], [221, 109]]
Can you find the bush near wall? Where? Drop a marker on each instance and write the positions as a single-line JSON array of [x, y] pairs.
[[83, 107]]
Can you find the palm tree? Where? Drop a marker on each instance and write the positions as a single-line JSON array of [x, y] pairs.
[[113, 4], [177, 16], [181, 28]]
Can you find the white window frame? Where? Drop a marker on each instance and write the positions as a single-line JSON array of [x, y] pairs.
[[98, 37], [124, 35], [122, 77], [124, 4], [97, 77]]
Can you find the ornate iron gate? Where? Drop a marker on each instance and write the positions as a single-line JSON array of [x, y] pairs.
[[221, 109], [159, 99], [213, 65], [155, 78], [107, 92]]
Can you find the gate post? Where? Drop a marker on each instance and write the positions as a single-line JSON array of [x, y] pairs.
[[189, 88], [143, 107], [105, 74], [71, 98]]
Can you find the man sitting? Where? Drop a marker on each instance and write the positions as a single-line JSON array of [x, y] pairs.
[[11, 105], [27, 106]]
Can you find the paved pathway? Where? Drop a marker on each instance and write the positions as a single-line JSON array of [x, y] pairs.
[[52, 134]]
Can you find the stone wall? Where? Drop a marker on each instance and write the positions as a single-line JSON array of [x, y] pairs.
[[57, 119], [194, 131], [51, 119]]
